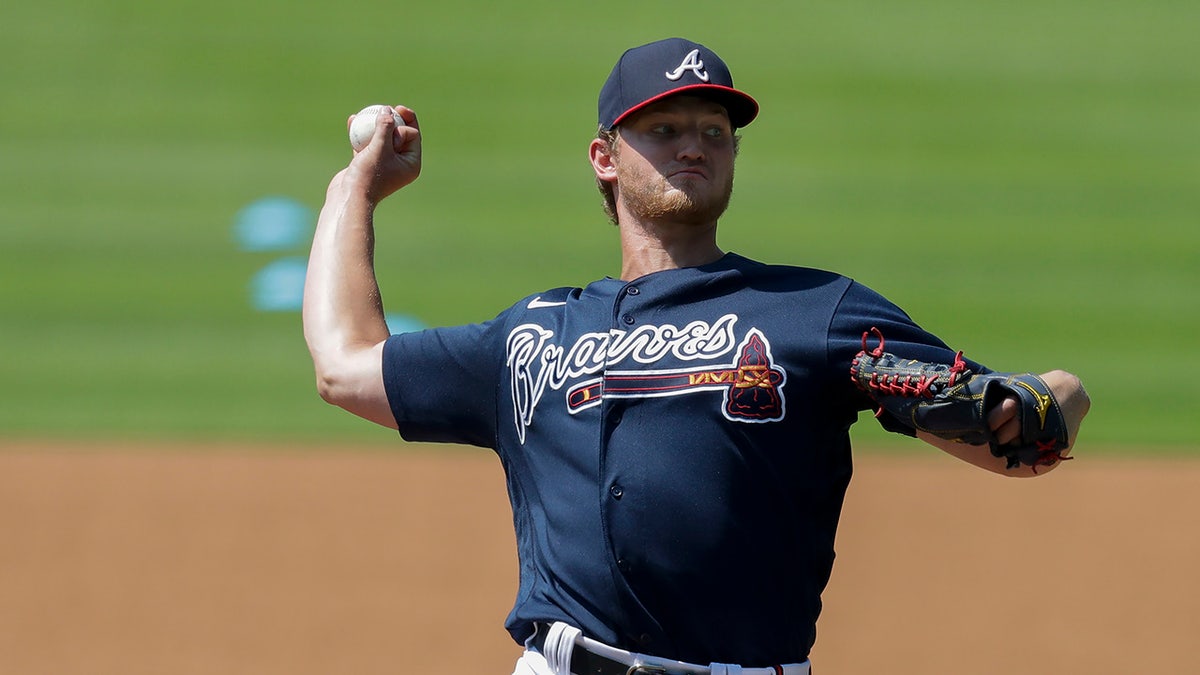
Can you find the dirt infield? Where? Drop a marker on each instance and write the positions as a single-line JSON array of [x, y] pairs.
[[251, 560]]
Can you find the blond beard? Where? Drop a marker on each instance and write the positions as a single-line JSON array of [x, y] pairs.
[[651, 197]]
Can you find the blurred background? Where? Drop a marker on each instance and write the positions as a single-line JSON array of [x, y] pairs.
[[1022, 177]]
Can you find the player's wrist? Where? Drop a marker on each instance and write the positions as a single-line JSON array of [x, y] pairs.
[[351, 187]]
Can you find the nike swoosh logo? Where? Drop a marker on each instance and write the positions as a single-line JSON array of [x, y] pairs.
[[539, 303]]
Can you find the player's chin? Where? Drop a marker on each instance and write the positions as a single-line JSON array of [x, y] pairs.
[[687, 202], [699, 214], [704, 206]]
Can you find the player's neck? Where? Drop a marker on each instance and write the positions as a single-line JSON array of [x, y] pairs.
[[656, 246]]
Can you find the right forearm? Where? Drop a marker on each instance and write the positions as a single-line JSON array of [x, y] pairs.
[[343, 313]]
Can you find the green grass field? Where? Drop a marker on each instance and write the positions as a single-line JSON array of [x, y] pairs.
[[1024, 177]]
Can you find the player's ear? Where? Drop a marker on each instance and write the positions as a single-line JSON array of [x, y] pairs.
[[604, 160]]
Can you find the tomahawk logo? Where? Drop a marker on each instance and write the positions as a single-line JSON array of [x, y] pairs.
[[751, 385], [690, 62]]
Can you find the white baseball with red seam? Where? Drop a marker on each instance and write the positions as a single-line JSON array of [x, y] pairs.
[[362, 128]]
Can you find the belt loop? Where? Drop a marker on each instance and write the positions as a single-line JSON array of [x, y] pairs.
[[725, 669], [560, 644]]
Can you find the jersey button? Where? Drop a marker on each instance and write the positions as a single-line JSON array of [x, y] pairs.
[[633, 290], [616, 491], [628, 319]]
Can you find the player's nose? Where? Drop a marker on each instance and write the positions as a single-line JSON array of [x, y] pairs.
[[691, 146]]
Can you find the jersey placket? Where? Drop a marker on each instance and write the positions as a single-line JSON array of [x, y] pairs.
[[625, 318]]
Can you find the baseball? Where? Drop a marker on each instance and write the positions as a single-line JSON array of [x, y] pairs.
[[363, 126]]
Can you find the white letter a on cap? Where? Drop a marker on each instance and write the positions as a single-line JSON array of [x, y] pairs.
[[690, 62]]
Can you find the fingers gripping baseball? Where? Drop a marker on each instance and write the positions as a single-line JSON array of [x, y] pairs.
[[392, 157]]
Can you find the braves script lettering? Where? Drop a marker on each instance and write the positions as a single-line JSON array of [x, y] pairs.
[[538, 364]]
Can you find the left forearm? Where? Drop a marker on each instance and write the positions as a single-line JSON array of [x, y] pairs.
[[982, 457]]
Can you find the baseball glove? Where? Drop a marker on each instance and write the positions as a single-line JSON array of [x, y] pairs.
[[952, 402]]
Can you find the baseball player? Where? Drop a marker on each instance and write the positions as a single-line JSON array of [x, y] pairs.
[[675, 439]]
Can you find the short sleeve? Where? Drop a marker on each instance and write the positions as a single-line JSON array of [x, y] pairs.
[[862, 309], [442, 383]]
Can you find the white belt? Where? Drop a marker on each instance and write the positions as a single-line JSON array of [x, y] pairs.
[[562, 639]]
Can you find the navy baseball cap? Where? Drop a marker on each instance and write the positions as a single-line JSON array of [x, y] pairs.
[[654, 71]]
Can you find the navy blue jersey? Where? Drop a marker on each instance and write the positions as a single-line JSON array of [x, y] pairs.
[[676, 447]]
